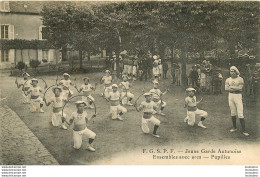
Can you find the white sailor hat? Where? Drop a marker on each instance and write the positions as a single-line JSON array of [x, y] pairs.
[[155, 82], [57, 87], [80, 102], [115, 85], [34, 79], [235, 69], [25, 73], [190, 89], [107, 71], [155, 57], [124, 75], [85, 78], [147, 94], [66, 74]]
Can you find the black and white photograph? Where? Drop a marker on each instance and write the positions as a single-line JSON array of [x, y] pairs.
[[129, 83]]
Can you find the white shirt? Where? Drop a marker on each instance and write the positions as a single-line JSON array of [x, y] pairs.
[[86, 88], [148, 107], [66, 83], [125, 85], [107, 79], [156, 93], [234, 82], [35, 91], [114, 96]]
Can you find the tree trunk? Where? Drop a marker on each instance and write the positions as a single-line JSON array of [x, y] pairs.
[[89, 54], [117, 63], [80, 59], [172, 52], [64, 53], [183, 67]]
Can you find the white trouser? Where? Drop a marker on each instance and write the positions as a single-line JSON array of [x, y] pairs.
[[130, 69], [35, 104], [66, 93], [146, 122], [159, 104], [56, 118], [77, 136], [125, 71], [26, 99], [192, 114], [236, 105], [115, 110], [134, 70], [87, 100], [106, 91], [126, 97]]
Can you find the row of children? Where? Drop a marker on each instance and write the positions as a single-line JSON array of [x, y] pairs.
[[62, 91]]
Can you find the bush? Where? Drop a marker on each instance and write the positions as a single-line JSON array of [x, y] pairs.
[[20, 65], [34, 63]]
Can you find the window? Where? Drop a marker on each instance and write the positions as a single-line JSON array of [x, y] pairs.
[[4, 55], [45, 56], [42, 33], [4, 6], [7, 31], [4, 31]]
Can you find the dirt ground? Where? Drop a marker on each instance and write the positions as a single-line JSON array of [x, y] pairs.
[[117, 137]]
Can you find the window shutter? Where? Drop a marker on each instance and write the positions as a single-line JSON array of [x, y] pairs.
[[40, 33], [0, 31], [7, 6], [11, 32]]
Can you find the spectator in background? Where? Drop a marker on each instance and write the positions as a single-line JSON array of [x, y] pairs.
[[203, 78], [248, 79], [194, 76], [177, 74], [217, 81], [256, 83], [208, 71], [173, 72], [165, 69]]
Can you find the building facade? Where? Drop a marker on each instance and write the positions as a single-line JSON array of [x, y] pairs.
[[21, 20]]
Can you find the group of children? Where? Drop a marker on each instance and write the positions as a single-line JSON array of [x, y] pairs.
[[118, 96]]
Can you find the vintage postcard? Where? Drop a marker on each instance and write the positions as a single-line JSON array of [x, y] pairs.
[[129, 83]]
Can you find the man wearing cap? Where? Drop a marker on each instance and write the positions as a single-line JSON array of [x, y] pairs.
[[66, 83], [156, 97], [56, 103], [126, 95], [149, 108], [192, 110], [234, 86], [87, 88], [116, 110], [80, 119], [26, 85], [35, 92]]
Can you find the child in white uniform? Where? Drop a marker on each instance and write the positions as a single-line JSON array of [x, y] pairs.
[[107, 80], [156, 97], [126, 95], [87, 88], [148, 107], [116, 110], [56, 103], [36, 100], [192, 110], [25, 87], [80, 120], [66, 83]]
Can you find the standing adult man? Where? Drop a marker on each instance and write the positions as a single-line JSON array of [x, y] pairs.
[[234, 86]]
